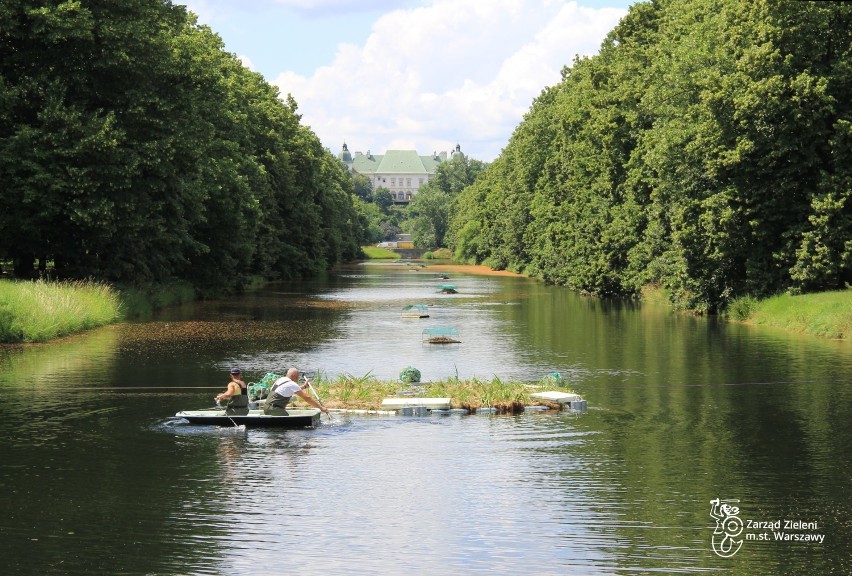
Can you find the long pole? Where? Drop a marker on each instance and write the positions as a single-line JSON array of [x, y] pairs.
[[311, 386]]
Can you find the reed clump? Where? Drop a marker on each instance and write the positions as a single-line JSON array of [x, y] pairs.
[[37, 311]]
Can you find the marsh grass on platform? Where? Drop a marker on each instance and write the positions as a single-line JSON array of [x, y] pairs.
[[39, 311], [367, 392]]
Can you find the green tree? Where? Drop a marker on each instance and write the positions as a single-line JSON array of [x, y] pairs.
[[705, 148], [134, 148], [430, 211], [362, 187], [383, 198]]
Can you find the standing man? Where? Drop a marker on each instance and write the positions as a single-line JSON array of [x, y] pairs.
[[282, 391]]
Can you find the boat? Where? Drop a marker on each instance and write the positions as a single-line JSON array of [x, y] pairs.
[[308, 418]]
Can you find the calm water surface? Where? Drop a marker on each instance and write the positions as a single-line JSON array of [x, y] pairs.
[[97, 477]]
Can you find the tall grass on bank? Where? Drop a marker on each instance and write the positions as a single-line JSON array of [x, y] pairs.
[[826, 314], [38, 311]]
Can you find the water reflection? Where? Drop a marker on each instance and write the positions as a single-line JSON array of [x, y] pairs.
[[98, 476]]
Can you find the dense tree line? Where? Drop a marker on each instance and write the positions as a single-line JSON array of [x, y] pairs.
[[133, 148], [706, 148]]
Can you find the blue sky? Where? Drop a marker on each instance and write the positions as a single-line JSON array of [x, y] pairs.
[[411, 74]]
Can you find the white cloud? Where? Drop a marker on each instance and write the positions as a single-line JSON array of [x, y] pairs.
[[246, 62], [455, 71]]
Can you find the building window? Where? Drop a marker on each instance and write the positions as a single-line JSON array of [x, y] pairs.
[[408, 182], [420, 181], [393, 181]]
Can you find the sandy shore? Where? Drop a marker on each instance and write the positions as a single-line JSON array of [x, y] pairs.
[[467, 269]]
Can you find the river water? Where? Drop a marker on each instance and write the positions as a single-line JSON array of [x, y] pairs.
[[99, 477]]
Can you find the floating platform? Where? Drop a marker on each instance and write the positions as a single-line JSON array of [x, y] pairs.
[[428, 403], [440, 336], [574, 401], [415, 311]]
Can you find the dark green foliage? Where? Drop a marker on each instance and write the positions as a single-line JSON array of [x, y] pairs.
[[429, 214], [707, 148], [383, 198], [133, 148], [363, 186]]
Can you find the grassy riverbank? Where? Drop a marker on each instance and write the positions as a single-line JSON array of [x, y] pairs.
[[826, 314], [40, 311], [367, 392], [376, 253], [823, 314]]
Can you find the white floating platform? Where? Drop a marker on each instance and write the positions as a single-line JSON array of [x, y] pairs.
[[430, 403], [561, 397], [575, 401]]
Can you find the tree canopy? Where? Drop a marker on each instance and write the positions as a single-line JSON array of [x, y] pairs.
[[430, 211], [133, 148], [706, 148]]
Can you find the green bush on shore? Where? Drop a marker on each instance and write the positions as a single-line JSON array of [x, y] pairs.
[[39, 311], [741, 308], [438, 254]]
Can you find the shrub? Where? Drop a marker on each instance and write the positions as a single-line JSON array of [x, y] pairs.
[[741, 309]]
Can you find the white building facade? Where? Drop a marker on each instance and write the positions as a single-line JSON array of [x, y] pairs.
[[402, 172]]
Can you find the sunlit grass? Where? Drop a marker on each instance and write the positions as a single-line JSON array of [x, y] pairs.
[[376, 253], [367, 392], [39, 311], [827, 314]]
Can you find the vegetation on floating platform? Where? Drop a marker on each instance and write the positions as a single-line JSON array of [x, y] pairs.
[[367, 392]]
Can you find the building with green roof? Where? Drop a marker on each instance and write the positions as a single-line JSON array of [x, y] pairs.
[[402, 172]]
